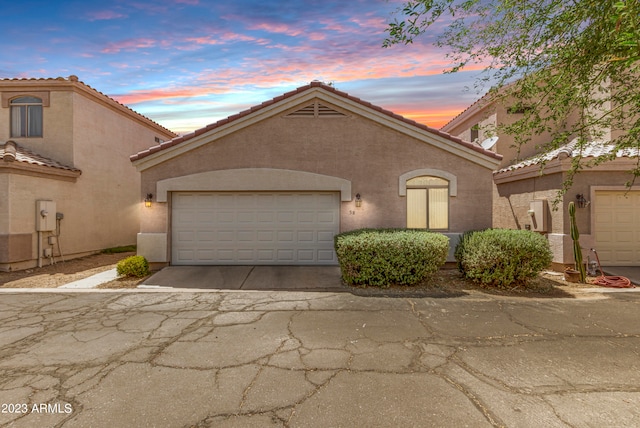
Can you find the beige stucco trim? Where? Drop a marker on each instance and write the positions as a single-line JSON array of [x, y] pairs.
[[254, 179], [7, 96], [304, 97], [153, 246], [452, 179]]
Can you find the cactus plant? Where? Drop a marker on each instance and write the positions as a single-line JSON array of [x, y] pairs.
[[575, 236]]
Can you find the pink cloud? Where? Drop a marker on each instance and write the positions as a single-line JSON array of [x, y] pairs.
[[434, 117], [129, 45], [277, 28], [227, 37], [105, 15], [136, 97]]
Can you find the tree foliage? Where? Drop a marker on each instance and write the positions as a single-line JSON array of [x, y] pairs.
[[574, 64]]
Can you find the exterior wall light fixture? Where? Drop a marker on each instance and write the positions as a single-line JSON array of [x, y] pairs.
[[148, 199], [358, 200], [582, 201]]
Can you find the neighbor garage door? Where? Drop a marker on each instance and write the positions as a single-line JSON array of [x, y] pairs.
[[254, 228], [617, 227]]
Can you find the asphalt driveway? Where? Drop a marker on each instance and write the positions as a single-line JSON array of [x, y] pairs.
[[160, 358]]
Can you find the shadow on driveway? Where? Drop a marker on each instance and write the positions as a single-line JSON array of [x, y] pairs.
[[263, 278]]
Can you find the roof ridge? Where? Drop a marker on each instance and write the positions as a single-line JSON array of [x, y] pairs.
[[73, 79], [313, 84]]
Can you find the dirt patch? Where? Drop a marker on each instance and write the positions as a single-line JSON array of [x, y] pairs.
[[451, 283], [60, 273], [445, 283]]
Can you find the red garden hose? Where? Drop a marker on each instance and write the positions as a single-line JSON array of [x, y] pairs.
[[610, 281]]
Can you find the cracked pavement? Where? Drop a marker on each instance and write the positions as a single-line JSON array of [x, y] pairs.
[[296, 359]]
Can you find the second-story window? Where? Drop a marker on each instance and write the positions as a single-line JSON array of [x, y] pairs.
[[26, 117]]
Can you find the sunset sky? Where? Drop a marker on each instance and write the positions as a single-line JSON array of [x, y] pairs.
[[188, 63]]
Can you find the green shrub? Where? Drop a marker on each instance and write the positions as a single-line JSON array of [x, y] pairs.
[[382, 257], [116, 250], [133, 266], [503, 257], [460, 248]]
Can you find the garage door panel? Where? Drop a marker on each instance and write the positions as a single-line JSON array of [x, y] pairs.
[[254, 228], [617, 227]]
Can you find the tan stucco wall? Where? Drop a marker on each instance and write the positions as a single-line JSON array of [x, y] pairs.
[[57, 128], [369, 155], [489, 116], [511, 203], [101, 208]]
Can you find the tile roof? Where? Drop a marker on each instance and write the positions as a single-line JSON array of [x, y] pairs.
[[13, 152], [314, 84], [75, 81], [572, 149]]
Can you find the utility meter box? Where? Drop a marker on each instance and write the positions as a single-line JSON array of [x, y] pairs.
[[45, 216], [539, 213]]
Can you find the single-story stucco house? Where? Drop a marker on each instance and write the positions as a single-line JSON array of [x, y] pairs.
[[274, 184]]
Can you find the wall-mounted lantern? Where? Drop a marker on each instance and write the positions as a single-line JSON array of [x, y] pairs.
[[148, 199], [581, 201], [358, 200]]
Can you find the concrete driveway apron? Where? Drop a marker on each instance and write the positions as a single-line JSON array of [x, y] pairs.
[[309, 278]]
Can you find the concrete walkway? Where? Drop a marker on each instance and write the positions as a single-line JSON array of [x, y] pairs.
[[94, 280], [290, 359]]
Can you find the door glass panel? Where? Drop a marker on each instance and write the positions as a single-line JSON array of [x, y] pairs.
[[438, 209], [417, 208]]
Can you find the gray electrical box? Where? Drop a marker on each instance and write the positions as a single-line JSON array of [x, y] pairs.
[[45, 216], [539, 212]]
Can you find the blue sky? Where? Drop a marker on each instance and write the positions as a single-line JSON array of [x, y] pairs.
[[188, 63]]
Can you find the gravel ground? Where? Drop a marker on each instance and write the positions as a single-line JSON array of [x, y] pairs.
[[60, 273], [445, 283]]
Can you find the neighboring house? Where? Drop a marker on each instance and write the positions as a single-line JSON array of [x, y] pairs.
[[67, 188], [275, 183], [478, 124], [528, 182]]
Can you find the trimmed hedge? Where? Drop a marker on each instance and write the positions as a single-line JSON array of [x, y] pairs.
[[133, 266], [502, 257], [382, 257]]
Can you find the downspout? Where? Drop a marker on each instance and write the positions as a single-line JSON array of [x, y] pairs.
[[39, 249]]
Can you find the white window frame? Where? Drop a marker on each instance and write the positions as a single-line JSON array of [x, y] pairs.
[[26, 117], [421, 200]]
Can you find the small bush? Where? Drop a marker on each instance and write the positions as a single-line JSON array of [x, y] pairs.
[[133, 266], [382, 257], [116, 250], [503, 257]]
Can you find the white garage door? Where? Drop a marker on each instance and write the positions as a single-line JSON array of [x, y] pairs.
[[617, 227], [254, 228]]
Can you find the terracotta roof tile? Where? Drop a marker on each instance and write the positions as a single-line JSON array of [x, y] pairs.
[[591, 149], [13, 152], [316, 84]]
